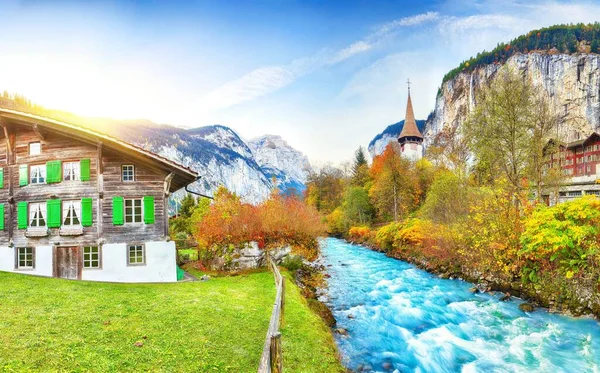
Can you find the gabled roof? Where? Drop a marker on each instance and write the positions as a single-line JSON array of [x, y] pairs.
[[587, 140], [182, 176], [410, 128]]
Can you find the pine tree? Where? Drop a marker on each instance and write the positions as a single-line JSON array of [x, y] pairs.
[[360, 168]]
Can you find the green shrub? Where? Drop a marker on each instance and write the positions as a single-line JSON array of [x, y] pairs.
[[292, 262], [566, 235]]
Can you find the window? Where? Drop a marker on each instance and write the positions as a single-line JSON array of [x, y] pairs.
[[574, 193], [136, 255], [38, 174], [37, 214], [593, 192], [25, 258], [71, 212], [128, 173], [35, 148], [91, 257], [133, 210], [71, 171]]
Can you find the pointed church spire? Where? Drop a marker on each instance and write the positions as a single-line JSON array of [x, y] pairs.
[[410, 129]]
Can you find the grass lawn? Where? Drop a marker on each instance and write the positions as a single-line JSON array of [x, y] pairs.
[[193, 253], [215, 326]]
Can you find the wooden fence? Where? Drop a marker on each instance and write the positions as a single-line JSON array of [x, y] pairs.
[[272, 358]]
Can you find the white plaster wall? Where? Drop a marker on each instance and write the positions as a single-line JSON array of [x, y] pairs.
[[412, 151], [160, 264], [43, 261]]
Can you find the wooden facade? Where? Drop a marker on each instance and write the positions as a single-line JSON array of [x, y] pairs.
[[154, 178]]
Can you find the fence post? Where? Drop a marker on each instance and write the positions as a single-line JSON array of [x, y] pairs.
[[276, 358], [282, 306]]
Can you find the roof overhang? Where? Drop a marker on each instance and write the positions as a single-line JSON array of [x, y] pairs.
[[182, 176]]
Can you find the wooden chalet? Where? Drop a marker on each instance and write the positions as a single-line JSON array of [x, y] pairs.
[[78, 204], [579, 162]]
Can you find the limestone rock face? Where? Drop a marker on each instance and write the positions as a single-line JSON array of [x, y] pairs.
[[251, 257], [572, 82]]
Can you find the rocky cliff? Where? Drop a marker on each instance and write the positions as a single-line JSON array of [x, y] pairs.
[[279, 160], [572, 81]]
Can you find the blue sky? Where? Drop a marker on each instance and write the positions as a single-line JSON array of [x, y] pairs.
[[325, 75]]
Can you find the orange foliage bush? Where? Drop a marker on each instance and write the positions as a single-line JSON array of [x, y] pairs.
[[278, 221], [360, 234]]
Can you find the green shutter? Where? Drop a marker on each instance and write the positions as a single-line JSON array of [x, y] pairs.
[[1, 178], [23, 175], [118, 210], [53, 172], [84, 170], [22, 215], [86, 212], [149, 210], [1, 216], [53, 210]]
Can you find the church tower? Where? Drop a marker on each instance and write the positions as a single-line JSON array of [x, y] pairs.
[[410, 139]]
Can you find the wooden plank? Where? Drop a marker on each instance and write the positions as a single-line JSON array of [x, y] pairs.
[[100, 200], [275, 353], [271, 361]]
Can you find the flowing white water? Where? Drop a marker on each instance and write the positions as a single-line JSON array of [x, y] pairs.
[[400, 318]]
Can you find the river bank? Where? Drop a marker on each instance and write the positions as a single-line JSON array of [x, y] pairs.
[[396, 316], [575, 296]]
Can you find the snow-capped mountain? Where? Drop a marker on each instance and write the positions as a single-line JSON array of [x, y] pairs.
[[278, 159], [390, 134], [220, 156]]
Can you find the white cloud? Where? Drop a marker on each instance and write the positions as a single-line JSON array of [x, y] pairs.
[[353, 49], [265, 80], [406, 21]]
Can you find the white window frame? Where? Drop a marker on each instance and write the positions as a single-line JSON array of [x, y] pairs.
[[29, 258], [39, 170], [35, 148], [139, 249], [131, 214], [88, 261], [128, 173], [71, 171], [75, 205], [41, 208]]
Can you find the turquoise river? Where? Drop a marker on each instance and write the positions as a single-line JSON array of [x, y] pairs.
[[399, 318]]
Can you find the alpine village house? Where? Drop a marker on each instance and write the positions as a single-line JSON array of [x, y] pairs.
[[77, 204]]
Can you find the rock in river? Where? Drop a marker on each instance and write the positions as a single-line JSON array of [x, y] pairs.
[[526, 307]]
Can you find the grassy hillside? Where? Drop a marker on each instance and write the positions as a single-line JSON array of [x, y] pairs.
[[214, 326]]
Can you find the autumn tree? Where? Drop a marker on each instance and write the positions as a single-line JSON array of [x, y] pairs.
[[543, 128], [357, 206], [325, 189], [393, 186], [450, 149], [500, 128]]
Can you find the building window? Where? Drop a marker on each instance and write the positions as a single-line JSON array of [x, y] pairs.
[[593, 192], [25, 258], [71, 171], [37, 174], [574, 193], [133, 210], [37, 214], [35, 148], [136, 255], [71, 212], [91, 257], [128, 172]]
